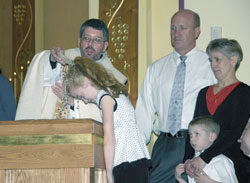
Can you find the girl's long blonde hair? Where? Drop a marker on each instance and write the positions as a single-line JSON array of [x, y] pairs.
[[96, 73]]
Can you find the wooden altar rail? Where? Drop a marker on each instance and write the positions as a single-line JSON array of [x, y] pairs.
[[46, 151]]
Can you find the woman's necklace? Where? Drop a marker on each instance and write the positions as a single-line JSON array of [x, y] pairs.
[[219, 94]]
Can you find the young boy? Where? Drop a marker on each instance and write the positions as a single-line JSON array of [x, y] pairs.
[[203, 132]]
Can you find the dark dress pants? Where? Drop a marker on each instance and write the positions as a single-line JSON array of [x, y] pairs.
[[168, 152], [133, 172]]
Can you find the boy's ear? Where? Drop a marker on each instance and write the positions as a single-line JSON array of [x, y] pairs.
[[212, 136]]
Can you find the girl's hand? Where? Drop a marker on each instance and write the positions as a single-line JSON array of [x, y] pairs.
[[57, 89], [110, 179]]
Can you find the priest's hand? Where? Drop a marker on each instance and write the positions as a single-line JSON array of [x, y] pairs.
[[54, 56], [59, 92]]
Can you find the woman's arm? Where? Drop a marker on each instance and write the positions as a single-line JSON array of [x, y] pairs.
[[107, 105], [232, 124]]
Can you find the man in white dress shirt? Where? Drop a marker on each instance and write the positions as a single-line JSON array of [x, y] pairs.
[[154, 97], [42, 91]]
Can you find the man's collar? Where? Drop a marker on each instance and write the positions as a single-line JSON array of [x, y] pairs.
[[191, 52]]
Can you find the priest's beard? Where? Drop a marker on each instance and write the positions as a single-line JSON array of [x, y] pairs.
[[96, 57]]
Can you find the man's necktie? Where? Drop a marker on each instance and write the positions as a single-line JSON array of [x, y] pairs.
[[176, 99]]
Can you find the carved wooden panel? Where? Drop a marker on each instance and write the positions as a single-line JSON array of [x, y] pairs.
[[23, 47], [121, 18], [6, 38]]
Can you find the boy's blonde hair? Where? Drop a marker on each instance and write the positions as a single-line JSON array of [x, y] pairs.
[[208, 123]]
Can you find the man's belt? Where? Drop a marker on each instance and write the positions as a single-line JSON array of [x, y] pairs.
[[179, 134]]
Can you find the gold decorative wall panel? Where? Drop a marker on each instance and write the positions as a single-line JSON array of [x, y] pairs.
[[23, 48], [121, 17]]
